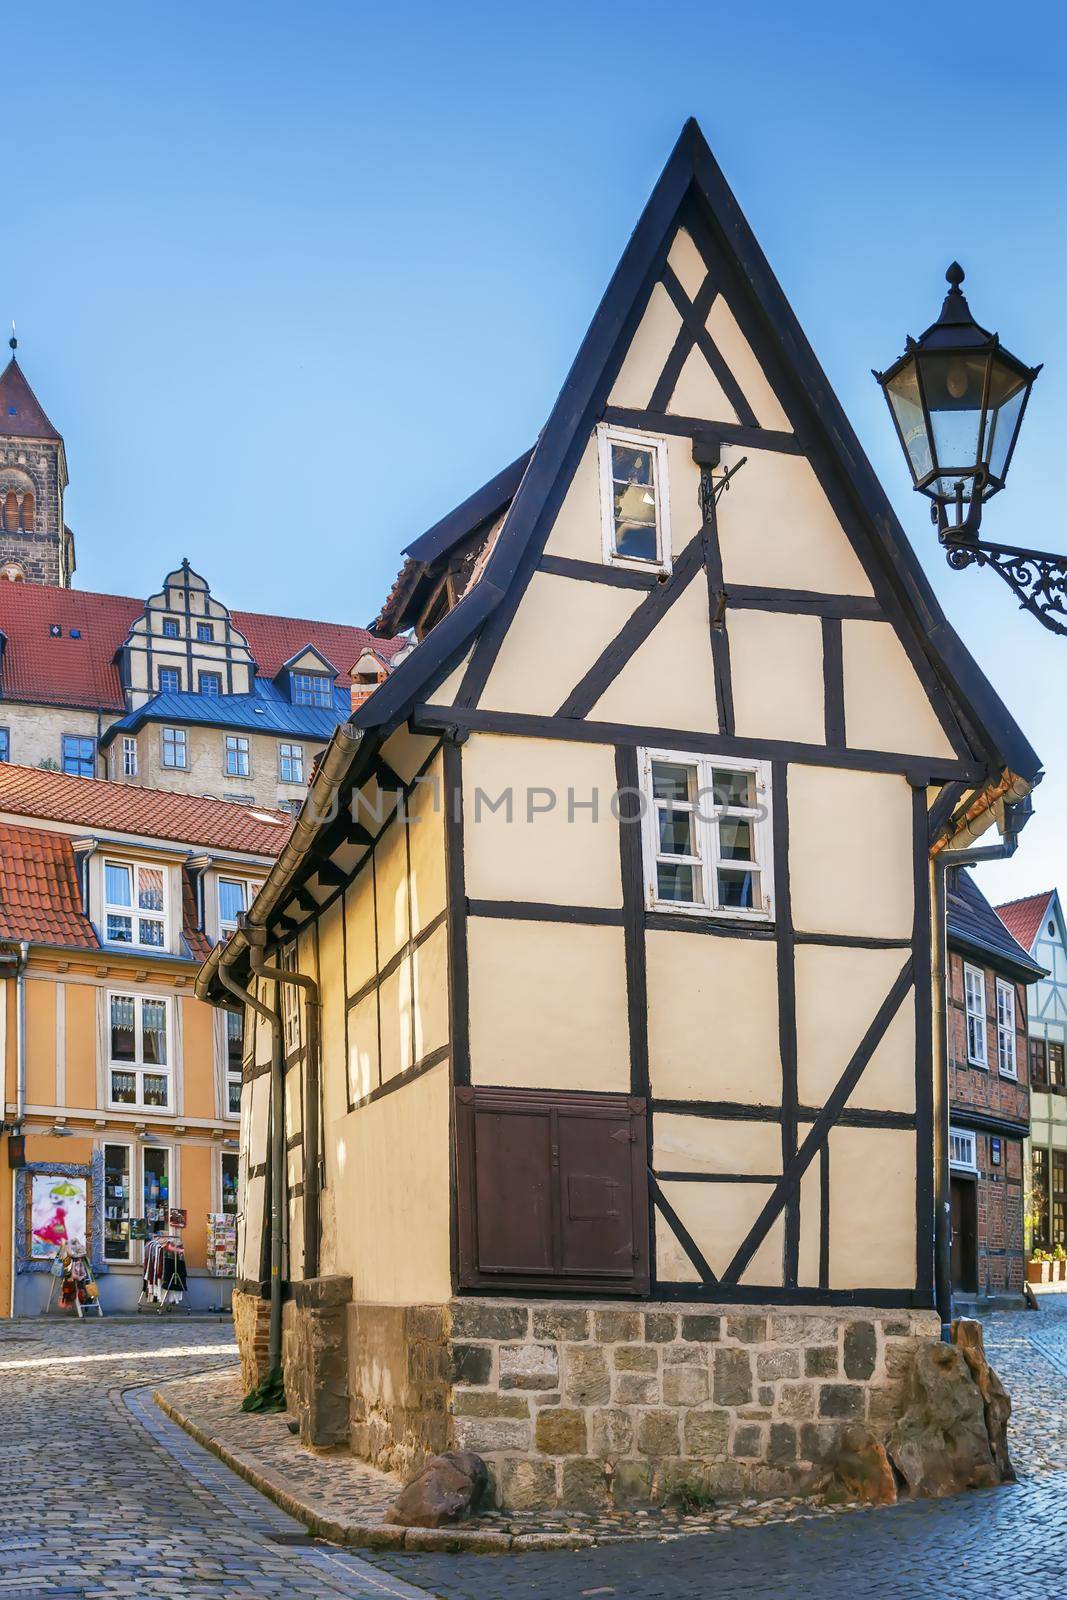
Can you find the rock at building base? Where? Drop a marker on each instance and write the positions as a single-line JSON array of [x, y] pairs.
[[860, 1469], [940, 1445], [448, 1488], [967, 1336]]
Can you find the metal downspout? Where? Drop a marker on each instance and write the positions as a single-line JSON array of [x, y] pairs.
[[276, 1138], [257, 951], [20, 1032]]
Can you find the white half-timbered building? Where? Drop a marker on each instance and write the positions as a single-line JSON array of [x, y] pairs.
[[612, 1125]]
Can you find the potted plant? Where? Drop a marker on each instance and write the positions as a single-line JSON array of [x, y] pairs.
[[1039, 1267], [1059, 1264]]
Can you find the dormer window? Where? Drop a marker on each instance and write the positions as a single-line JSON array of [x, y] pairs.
[[311, 689], [135, 904], [634, 499]]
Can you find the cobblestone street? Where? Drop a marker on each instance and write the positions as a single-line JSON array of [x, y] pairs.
[[100, 1496]]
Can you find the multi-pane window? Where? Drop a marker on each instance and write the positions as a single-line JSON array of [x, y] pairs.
[[174, 749], [170, 680], [291, 763], [1056, 1077], [235, 1050], [233, 900], [962, 1149], [129, 756], [230, 1182], [290, 1002], [205, 632], [211, 684], [117, 1197], [79, 756], [974, 1003], [1006, 1029], [1039, 1176], [311, 688], [238, 764], [707, 834], [139, 1055], [634, 502], [135, 904], [5, 745], [1059, 1197], [170, 628], [156, 1191]]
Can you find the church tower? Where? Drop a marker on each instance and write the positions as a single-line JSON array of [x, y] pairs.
[[35, 544]]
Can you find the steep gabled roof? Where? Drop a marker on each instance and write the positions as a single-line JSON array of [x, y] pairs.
[[21, 413], [974, 926], [692, 184], [39, 898], [1024, 918]]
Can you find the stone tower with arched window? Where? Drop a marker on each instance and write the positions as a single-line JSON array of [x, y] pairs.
[[35, 544]]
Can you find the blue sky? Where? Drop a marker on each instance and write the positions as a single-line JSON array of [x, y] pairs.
[[293, 280]]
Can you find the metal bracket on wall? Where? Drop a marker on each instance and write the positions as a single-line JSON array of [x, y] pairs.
[[1037, 577]]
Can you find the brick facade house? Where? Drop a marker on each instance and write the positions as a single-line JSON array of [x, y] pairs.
[[989, 1094]]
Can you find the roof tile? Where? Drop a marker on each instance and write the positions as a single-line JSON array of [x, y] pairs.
[[39, 899], [1023, 918]]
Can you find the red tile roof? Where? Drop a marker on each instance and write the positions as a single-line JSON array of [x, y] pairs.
[[39, 899], [178, 818], [1023, 918], [21, 413], [82, 672]]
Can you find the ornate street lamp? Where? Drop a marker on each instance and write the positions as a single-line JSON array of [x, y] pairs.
[[957, 399]]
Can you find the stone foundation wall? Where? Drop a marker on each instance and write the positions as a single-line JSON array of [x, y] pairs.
[[315, 1359], [399, 1383], [251, 1328]]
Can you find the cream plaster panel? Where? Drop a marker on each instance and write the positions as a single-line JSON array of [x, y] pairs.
[[776, 528], [562, 856], [331, 976], [669, 681], [698, 392], [872, 1208], [391, 890], [886, 707], [713, 1018], [430, 978], [776, 666], [838, 995], [426, 838], [558, 632], [359, 930], [672, 1263], [577, 531], [810, 1220], [718, 1217], [850, 852], [407, 752], [684, 482], [738, 355], [649, 349], [447, 690], [250, 1234], [702, 1144], [394, 1009], [391, 1160], [294, 1101], [548, 1006], [687, 264], [363, 1073]]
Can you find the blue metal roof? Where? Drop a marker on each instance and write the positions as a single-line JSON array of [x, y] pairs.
[[267, 710]]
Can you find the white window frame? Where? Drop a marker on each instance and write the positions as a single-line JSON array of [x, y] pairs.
[[314, 677], [963, 1149], [1006, 1058], [606, 437], [224, 1156], [131, 1169], [706, 830], [180, 742], [286, 751], [974, 1013], [137, 1068], [129, 756], [236, 740], [250, 887], [231, 1075], [173, 1193], [290, 1002], [133, 910]]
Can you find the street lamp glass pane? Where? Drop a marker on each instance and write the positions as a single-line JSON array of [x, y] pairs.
[[953, 385], [903, 392], [1004, 421]]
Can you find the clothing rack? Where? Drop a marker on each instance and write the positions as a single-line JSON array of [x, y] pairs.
[[165, 1278]]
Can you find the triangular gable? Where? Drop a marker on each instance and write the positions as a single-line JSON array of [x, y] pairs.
[[693, 193], [307, 660]]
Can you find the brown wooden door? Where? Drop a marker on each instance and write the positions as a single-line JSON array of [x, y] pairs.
[[964, 1235]]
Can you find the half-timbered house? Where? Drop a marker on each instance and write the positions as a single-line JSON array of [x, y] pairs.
[[600, 971]]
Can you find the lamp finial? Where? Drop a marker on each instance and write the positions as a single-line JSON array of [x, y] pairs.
[[955, 276]]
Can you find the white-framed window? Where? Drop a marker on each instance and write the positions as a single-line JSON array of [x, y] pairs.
[[138, 1182], [135, 904], [235, 897], [129, 756], [974, 1001], [634, 499], [963, 1149], [229, 1184], [238, 762], [235, 1052], [118, 1196], [1006, 1029], [158, 1187], [707, 834], [139, 1051], [291, 763], [311, 688], [290, 1002], [173, 748]]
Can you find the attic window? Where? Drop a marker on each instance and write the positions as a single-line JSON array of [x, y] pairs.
[[311, 689], [170, 628], [634, 499]]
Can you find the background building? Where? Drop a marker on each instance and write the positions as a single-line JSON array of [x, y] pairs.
[[119, 1085]]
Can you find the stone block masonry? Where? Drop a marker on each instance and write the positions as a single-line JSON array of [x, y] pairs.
[[586, 1406]]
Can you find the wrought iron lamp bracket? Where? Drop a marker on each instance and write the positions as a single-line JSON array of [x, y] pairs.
[[711, 487], [1038, 578]]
